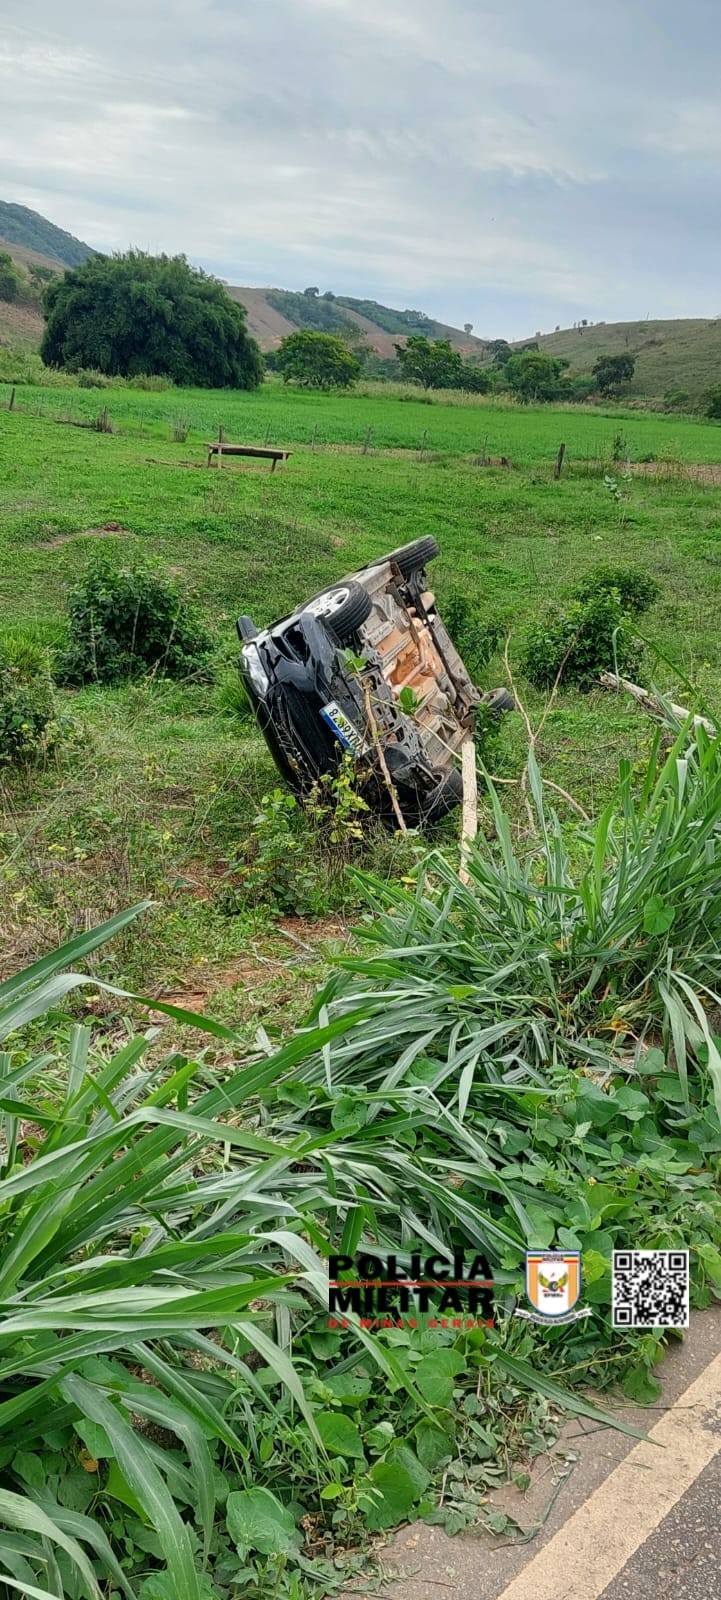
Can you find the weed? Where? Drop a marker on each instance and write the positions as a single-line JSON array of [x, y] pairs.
[[29, 723], [180, 429], [128, 620], [636, 590], [577, 645]]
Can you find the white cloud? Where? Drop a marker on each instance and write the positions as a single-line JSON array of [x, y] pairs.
[[508, 155]]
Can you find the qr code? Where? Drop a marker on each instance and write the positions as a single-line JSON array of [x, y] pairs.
[[650, 1289]]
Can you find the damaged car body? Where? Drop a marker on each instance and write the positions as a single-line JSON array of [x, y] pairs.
[[368, 667]]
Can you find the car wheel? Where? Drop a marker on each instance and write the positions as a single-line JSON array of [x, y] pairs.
[[345, 607], [410, 558], [246, 629], [444, 798]]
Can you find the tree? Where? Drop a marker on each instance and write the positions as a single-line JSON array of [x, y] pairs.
[[313, 292], [534, 376], [136, 313], [613, 372], [317, 360], [474, 379], [10, 280], [468, 327], [433, 366], [713, 403], [501, 351]]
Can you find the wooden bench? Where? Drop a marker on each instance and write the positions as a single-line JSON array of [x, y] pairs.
[[219, 448]]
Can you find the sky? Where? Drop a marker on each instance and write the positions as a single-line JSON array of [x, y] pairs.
[[516, 164]]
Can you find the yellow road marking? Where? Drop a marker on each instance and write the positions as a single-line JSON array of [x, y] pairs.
[[600, 1537]]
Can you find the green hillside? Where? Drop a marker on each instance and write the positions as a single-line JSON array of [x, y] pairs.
[[21, 226], [378, 325], [683, 355]]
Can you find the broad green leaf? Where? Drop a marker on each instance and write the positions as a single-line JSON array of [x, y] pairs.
[[257, 1521], [658, 916], [397, 1491], [338, 1434], [434, 1376]]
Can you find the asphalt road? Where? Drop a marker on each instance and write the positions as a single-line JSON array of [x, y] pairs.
[[634, 1520]]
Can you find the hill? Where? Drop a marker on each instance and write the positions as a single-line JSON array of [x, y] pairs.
[[683, 355], [25, 228], [272, 313]]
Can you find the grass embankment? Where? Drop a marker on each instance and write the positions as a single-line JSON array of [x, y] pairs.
[[161, 792]]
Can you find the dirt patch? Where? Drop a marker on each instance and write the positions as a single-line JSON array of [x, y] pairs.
[[108, 530], [257, 969], [684, 471]]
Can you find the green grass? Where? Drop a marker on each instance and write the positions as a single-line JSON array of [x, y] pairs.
[[529, 436], [160, 787]]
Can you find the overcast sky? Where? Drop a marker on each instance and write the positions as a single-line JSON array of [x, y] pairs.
[[512, 163]]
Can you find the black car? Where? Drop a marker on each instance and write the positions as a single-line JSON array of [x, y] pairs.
[[367, 667]]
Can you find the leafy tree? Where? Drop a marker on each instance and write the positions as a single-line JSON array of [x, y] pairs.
[[10, 280], [613, 372], [313, 291], [501, 351], [317, 360], [713, 403], [432, 365], [534, 376], [468, 327], [476, 380], [135, 313]]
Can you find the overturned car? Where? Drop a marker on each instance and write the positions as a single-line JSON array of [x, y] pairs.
[[368, 667]]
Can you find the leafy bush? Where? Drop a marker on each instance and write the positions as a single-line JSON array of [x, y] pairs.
[[577, 645], [476, 637], [124, 621], [29, 725], [134, 314], [636, 590]]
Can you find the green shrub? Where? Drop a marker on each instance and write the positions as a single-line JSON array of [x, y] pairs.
[[124, 621], [476, 637], [29, 727], [636, 590], [577, 645]]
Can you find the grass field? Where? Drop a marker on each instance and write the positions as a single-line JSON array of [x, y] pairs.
[[160, 790]]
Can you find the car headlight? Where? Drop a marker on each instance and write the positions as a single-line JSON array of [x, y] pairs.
[[256, 671]]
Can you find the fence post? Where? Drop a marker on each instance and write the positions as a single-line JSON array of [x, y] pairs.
[[314, 436], [11, 401], [422, 450], [559, 461], [367, 440]]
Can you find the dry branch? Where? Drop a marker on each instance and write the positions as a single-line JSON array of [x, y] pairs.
[[654, 707]]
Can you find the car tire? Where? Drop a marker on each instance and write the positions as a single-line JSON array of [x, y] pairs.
[[345, 607], [410, 558], [498, 701], [246, 629], [443, 799]]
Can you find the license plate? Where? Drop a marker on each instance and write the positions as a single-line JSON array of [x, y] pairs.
[[345, 731]]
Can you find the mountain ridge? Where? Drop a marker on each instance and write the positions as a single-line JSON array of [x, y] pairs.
[[681, 356]]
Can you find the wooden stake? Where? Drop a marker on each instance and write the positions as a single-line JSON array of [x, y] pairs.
[[469, 824], [11, 401], [367, 440], [559, 461]]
